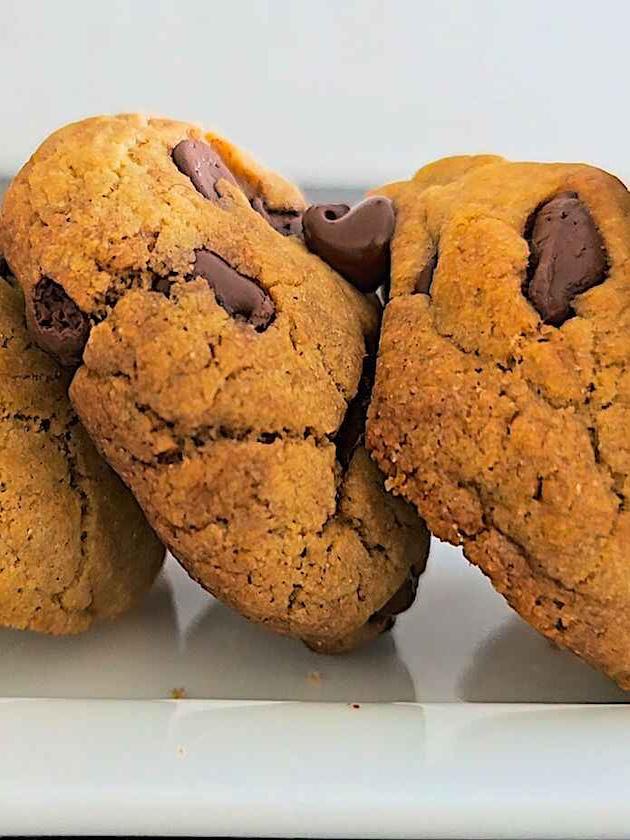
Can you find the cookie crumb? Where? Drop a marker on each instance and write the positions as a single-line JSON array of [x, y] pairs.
[[314, 678], [179, 693], [181, 752]]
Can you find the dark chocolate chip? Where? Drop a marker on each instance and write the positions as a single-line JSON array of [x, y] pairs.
[[425, 278], [402, 599], [199, 162], [352, 428], [239, 295], [389, 622], [567, 256], [57, 323], [353, 242], [286, 222], [162, 285]]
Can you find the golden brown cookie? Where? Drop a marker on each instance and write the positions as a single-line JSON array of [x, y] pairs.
[[74, 545], [502, 400], [221, 371]]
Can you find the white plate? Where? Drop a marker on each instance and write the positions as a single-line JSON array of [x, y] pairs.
[[465, 749]]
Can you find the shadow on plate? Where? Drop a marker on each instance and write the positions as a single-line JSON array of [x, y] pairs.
[[199, 646], [517, 664], [230, 657], [124, 658]]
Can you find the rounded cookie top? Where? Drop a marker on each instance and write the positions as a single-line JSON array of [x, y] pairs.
[[502, 399], [128, 176], [74, 544], [221, 370]]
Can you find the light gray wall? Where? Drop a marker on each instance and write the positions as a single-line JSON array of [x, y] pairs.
[[346, 91]]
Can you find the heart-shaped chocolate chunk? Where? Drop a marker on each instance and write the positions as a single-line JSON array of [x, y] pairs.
[[353, 242]]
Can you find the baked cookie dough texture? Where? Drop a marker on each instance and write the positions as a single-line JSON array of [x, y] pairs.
[[74, 545], [502, 400], [221, 372]]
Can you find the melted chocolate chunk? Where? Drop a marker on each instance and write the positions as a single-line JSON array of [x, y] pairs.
[[402, 599], [204, 166], [286, 222], [199, 162], [239, 295], [352, 428], [353, 242], [56, 323], [567, 256]]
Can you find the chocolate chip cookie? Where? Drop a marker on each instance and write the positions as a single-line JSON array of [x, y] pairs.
[[74, 545], [225, 369], [502, 400]]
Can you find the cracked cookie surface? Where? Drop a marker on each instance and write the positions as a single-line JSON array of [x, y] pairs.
[[501, 407], [219, 370], [74, 545]]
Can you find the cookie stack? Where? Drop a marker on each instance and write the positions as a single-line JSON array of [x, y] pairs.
[[221, 341], [220, 368]]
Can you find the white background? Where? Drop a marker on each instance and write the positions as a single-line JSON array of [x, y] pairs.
[[330, 91]]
